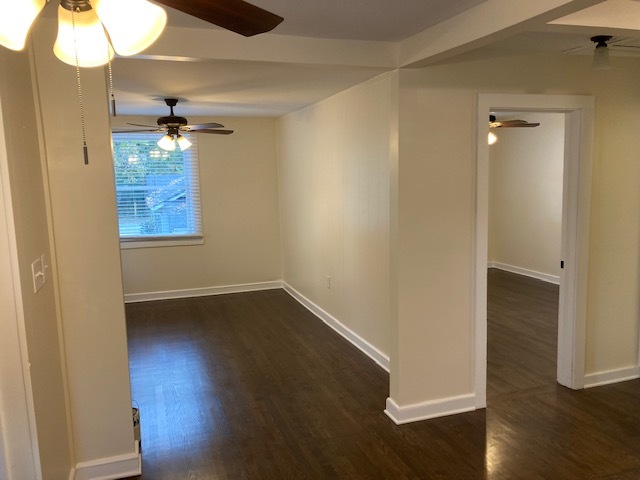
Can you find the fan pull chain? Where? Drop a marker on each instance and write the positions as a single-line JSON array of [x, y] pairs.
[[113, 98], [109, 48], [84, 134]]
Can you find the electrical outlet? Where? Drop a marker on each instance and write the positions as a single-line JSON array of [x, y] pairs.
[[328, 282]]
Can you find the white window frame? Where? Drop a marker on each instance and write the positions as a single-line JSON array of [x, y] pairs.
[[191, 170]]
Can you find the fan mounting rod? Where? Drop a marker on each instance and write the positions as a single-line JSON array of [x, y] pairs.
[[171, 102], [76, 5], [172, 120], [601, 40]]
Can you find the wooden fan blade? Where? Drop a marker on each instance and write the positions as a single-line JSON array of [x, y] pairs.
[[200, 126], [140, 125], [512, 124], [118, 130], [518, 125], [235, 15], [219, 132]]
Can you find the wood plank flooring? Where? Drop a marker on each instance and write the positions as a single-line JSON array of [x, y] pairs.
[[252, 386], [522, 333]]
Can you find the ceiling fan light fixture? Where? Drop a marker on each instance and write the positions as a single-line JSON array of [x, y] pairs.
[[16, 21], [87, 38], [601, 59], [167, 143], [133, 25], [492, 138], [183, 142]]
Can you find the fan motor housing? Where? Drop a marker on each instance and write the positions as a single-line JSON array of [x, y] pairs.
[[172, 121]]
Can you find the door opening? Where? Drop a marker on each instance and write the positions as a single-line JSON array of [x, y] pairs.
[[524, 246], [578, 113]]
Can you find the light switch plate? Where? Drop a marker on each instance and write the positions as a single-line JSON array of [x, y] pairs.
[[45, 267], [37, 271]]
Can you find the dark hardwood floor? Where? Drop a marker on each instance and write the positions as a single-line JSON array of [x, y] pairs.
[[522, 333], [253, 386]]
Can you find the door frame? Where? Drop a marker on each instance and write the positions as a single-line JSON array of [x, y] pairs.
[[576, 206]]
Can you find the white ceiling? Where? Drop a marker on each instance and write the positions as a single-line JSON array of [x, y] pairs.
[[377, 20], [571, 34], [218, 73], [227, 87]]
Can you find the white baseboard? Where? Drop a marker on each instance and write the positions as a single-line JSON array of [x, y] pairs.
[[432, 409], [372, 352], [612, 376], [112, 468], [201, 292], [545, 277]]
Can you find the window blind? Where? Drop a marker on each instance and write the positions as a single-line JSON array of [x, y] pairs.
[[158, 192]]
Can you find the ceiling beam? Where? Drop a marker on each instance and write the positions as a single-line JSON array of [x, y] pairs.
[[197, 44], [486, 23]]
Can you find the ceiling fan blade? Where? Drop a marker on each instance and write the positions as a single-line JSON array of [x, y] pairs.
[[219, 132], [140, 125], [512, 124], [235, 15], [119, 130], [200, 126], [518, 125]]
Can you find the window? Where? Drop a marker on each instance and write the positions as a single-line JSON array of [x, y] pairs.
[[157, 192]]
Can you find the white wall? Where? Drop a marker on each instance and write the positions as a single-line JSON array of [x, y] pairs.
[[334, 201], [525, 195], [437, 206], [18, 449], [432, 357], [35, 316], [85, 231], [240, 216]]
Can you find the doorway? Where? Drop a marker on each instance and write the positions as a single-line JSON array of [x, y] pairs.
[[525, 219], [578, 115]]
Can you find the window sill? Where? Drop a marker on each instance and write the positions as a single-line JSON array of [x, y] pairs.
[[127, 243]]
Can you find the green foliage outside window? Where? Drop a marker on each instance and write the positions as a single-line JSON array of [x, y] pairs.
[[157, 190]]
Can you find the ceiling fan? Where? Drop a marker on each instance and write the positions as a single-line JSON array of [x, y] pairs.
[[90, 32], [173, 126], [493, 123]]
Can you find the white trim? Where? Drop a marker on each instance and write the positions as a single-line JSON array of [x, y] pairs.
[[579, 127], [120, 466], [201, 292], [579, 118], [612, 376], [128, 243], [432, 409], [372, 352], [545, 277]]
